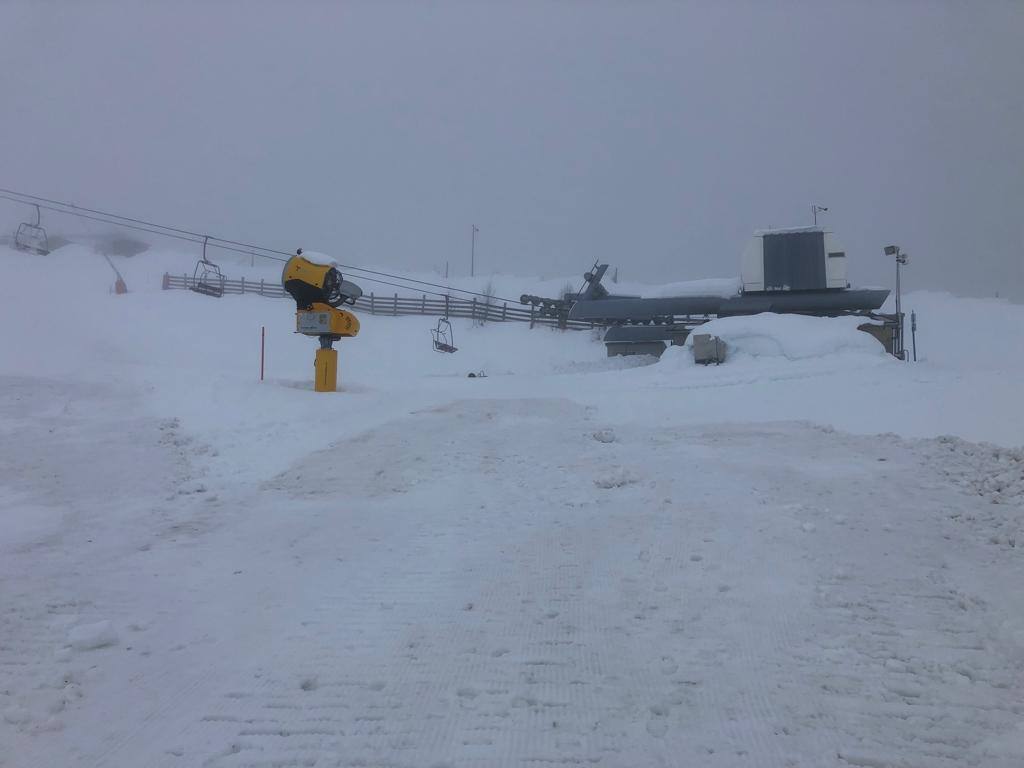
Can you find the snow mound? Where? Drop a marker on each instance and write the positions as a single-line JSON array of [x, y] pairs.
[[794, 337], [87, 637], [617, 478], [676, 358], [991, 471], [716, 286]]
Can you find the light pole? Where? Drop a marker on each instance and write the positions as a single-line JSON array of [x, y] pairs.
[[472, 251], [815, 210], [913, 332], [901, 259]]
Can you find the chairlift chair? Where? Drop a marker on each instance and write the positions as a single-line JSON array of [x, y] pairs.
[[32, 237], [444, 338], [207, 278]]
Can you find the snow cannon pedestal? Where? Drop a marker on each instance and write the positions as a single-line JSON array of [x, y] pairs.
[[326, 368]]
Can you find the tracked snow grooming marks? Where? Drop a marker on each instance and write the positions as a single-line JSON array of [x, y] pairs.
[[765, 596]]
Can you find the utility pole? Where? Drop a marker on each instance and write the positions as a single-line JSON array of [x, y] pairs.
[[901, 259], [913, 332], [472, 251]]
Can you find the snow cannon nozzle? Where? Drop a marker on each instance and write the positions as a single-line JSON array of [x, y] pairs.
[[310, 283]]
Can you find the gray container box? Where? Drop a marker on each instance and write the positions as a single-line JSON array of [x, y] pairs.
[[708, 349]]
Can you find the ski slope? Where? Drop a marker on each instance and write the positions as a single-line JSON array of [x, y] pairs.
[[799, 558]]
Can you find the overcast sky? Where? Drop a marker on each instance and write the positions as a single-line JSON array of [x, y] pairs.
[[654, 136]]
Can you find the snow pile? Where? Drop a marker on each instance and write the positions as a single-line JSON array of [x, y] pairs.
[[793, 337], [676, 358], [319, 258], [990, 471], [725, 287], [88, 637]]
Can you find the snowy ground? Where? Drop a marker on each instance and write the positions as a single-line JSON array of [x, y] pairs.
[[777, 562]]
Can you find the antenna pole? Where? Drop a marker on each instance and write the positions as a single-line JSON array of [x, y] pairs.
[[472, 251]]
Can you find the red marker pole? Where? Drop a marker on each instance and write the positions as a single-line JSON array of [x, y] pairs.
[[263, 346]]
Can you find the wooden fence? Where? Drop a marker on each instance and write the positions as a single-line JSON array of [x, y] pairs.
[[479, 309]]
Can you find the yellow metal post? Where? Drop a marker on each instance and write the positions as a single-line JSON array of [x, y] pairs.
[[326, 367]]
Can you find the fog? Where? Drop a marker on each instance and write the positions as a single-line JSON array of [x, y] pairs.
[[655, 137]]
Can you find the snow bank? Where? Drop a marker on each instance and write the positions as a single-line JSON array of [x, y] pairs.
[[794, 337], [675, 359], [965, 333], [87, 637], [197, 360]]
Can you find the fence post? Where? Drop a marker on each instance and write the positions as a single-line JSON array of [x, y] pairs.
[[446, 305], [531, 317], [395, 313], [473, 312], [371, 303], [243, 284], [261, 286], [167, 281], [423, 305], [504, 311]]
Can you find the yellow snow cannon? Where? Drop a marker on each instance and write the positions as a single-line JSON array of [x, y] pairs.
[[318, 290]]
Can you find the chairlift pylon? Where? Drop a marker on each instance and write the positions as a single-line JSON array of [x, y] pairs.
[[444, 338], [207, 278], [32, 237]]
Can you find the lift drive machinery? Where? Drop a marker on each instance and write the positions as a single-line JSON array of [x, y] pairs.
[[318, 290]]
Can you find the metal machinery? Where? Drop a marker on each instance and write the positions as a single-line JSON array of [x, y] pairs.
[[32, 237], [318, 290], [444, 337], [708, 349], [592, 290], [800, 270], [207, 278]]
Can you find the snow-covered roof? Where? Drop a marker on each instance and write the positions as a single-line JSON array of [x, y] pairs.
[[724, 287], [788, 230], [319, 258]]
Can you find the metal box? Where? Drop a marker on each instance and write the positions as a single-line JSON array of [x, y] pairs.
[[708, 349], [326, 322]]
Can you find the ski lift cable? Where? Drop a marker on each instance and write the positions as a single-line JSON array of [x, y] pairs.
[[198, 241], [249, 247], [185, 234], [102, 220]]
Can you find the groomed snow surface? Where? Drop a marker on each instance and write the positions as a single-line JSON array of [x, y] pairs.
[[808, 556]]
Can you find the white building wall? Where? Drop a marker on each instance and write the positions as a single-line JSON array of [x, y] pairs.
[[752, 265]]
